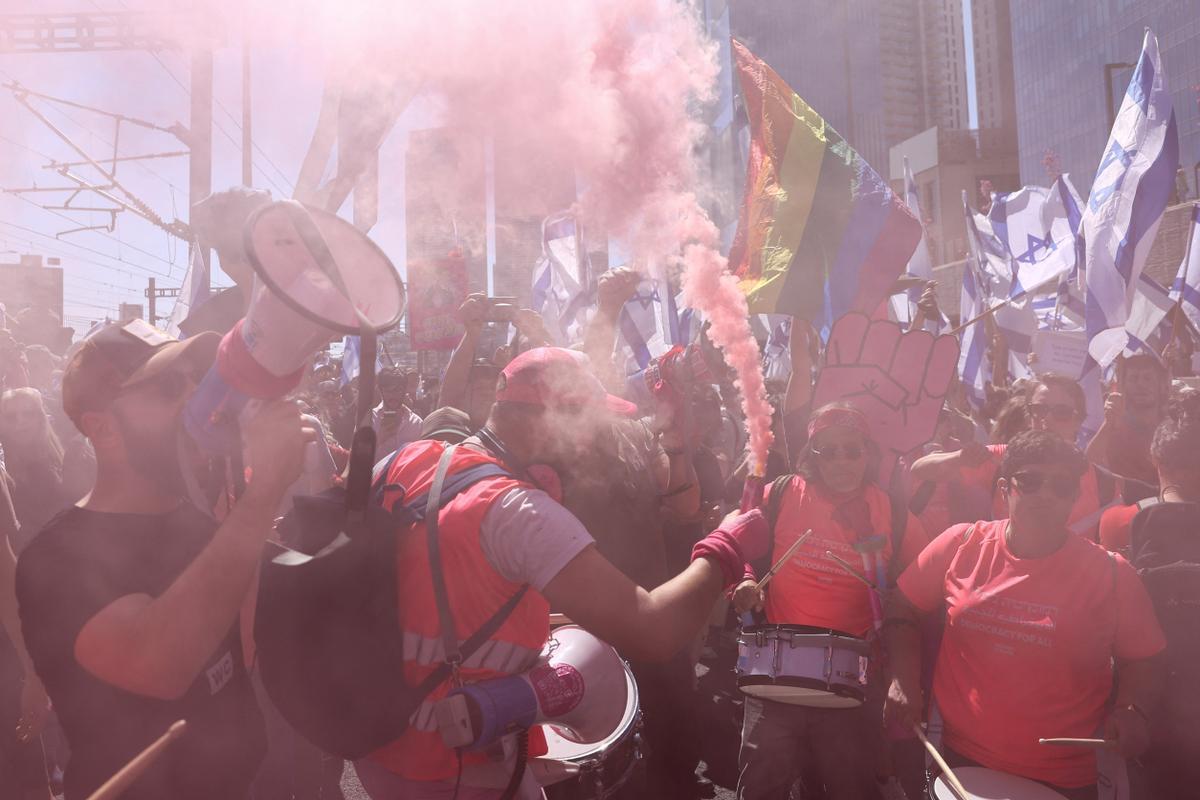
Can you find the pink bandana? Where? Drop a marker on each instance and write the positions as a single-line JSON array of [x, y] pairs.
[[846, 417]]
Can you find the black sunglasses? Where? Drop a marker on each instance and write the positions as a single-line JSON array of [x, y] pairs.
[[1060, 411], [1031, 483], [852, 452]]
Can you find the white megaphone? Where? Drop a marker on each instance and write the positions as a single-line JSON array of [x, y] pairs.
[[316, 277], [579, 689]]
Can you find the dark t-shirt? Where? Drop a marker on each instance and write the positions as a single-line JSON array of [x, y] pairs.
[[81, 562], [613, 492]]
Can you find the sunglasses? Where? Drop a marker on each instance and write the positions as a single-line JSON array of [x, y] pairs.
[[1060, 412], [851, 452], [1031, 483]]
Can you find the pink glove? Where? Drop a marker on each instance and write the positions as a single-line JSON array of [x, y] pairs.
[[740, 539]]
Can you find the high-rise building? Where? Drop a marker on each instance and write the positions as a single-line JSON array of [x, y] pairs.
[[944, 70], [992, 39], [444, 191], [879, 71], [1060, 51]]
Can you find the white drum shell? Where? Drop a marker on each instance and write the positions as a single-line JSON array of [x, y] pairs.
[[803, 666]]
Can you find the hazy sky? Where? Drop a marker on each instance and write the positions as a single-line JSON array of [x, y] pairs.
[[103, 269]]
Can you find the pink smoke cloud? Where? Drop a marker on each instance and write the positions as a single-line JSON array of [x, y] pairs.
[[609, 90]]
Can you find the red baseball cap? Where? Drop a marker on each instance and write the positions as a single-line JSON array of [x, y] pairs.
[[552, 376]]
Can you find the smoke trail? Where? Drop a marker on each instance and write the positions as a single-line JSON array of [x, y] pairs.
[[607, 90]]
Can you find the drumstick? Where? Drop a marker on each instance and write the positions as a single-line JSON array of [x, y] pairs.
[[779, 564], [1066, 742], [117, 784], [846, 566], [951, 778]]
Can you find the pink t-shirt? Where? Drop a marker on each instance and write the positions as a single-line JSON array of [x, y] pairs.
[[1028, 645]]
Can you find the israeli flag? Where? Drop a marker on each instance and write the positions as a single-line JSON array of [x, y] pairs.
[[972, 353], [1186, 288], [650, 322], [904, 306], [1145, 330], [777, 355], [192, 293], [562, 286], [1130, 192], [1037, 227], [1016, 319], [351, 360]]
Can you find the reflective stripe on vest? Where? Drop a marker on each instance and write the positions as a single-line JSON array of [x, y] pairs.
[[495, 655], [475, 591]]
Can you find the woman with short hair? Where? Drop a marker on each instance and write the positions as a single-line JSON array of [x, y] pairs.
[[836, 495]]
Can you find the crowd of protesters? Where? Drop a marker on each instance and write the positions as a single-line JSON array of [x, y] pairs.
[[130, 596]]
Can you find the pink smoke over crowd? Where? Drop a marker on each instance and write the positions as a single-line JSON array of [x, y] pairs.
[[611, 91]]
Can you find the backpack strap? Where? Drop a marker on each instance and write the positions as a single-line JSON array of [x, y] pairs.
[[439, 493], [774, 505], [451, 653], [921, 497], [1106, 485], [1145, 503], [775, 494], [898, 508]]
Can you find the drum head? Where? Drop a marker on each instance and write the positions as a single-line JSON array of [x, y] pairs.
[[323, 267], [798, 692], [989, 784], [562, 749]]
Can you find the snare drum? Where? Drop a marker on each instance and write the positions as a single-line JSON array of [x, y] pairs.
[[988, 784], [803, 666], [573, 771]]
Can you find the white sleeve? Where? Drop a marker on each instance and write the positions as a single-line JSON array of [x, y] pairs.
[[529, 538]]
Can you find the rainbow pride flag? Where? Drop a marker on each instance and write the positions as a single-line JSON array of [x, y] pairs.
[[820, 233]]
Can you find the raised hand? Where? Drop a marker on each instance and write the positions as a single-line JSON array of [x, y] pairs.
[[898, 379], [615, 287]]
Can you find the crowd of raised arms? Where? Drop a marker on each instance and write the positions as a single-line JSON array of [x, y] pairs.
[[1016, 579]]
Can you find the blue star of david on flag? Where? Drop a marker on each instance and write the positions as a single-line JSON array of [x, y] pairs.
[[1114, 154], [1035, 244]]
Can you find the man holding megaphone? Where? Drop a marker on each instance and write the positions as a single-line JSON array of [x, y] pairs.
[[130, 600]]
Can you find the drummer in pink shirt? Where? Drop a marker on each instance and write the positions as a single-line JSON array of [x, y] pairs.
[[1035, 620]]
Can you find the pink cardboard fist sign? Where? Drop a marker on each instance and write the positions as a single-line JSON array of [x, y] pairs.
[[897, 378]]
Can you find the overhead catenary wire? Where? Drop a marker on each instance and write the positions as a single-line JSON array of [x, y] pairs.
[[53, 109], [254, 145], [104, 234], [130, 264]]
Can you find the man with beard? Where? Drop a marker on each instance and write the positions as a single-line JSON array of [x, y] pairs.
[[396, 424], [130, 600]]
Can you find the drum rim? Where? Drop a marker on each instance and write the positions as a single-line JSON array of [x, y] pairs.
[[629, 724], [835, 641], [838, 689], [805, 629], [1020, 779]]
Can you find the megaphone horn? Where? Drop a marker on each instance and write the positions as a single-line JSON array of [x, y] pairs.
[[579, 689], [316, 276]]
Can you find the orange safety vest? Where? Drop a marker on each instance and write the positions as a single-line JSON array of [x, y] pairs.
[[475, 590]]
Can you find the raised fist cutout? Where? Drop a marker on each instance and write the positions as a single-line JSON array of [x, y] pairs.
[[897, 378]]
